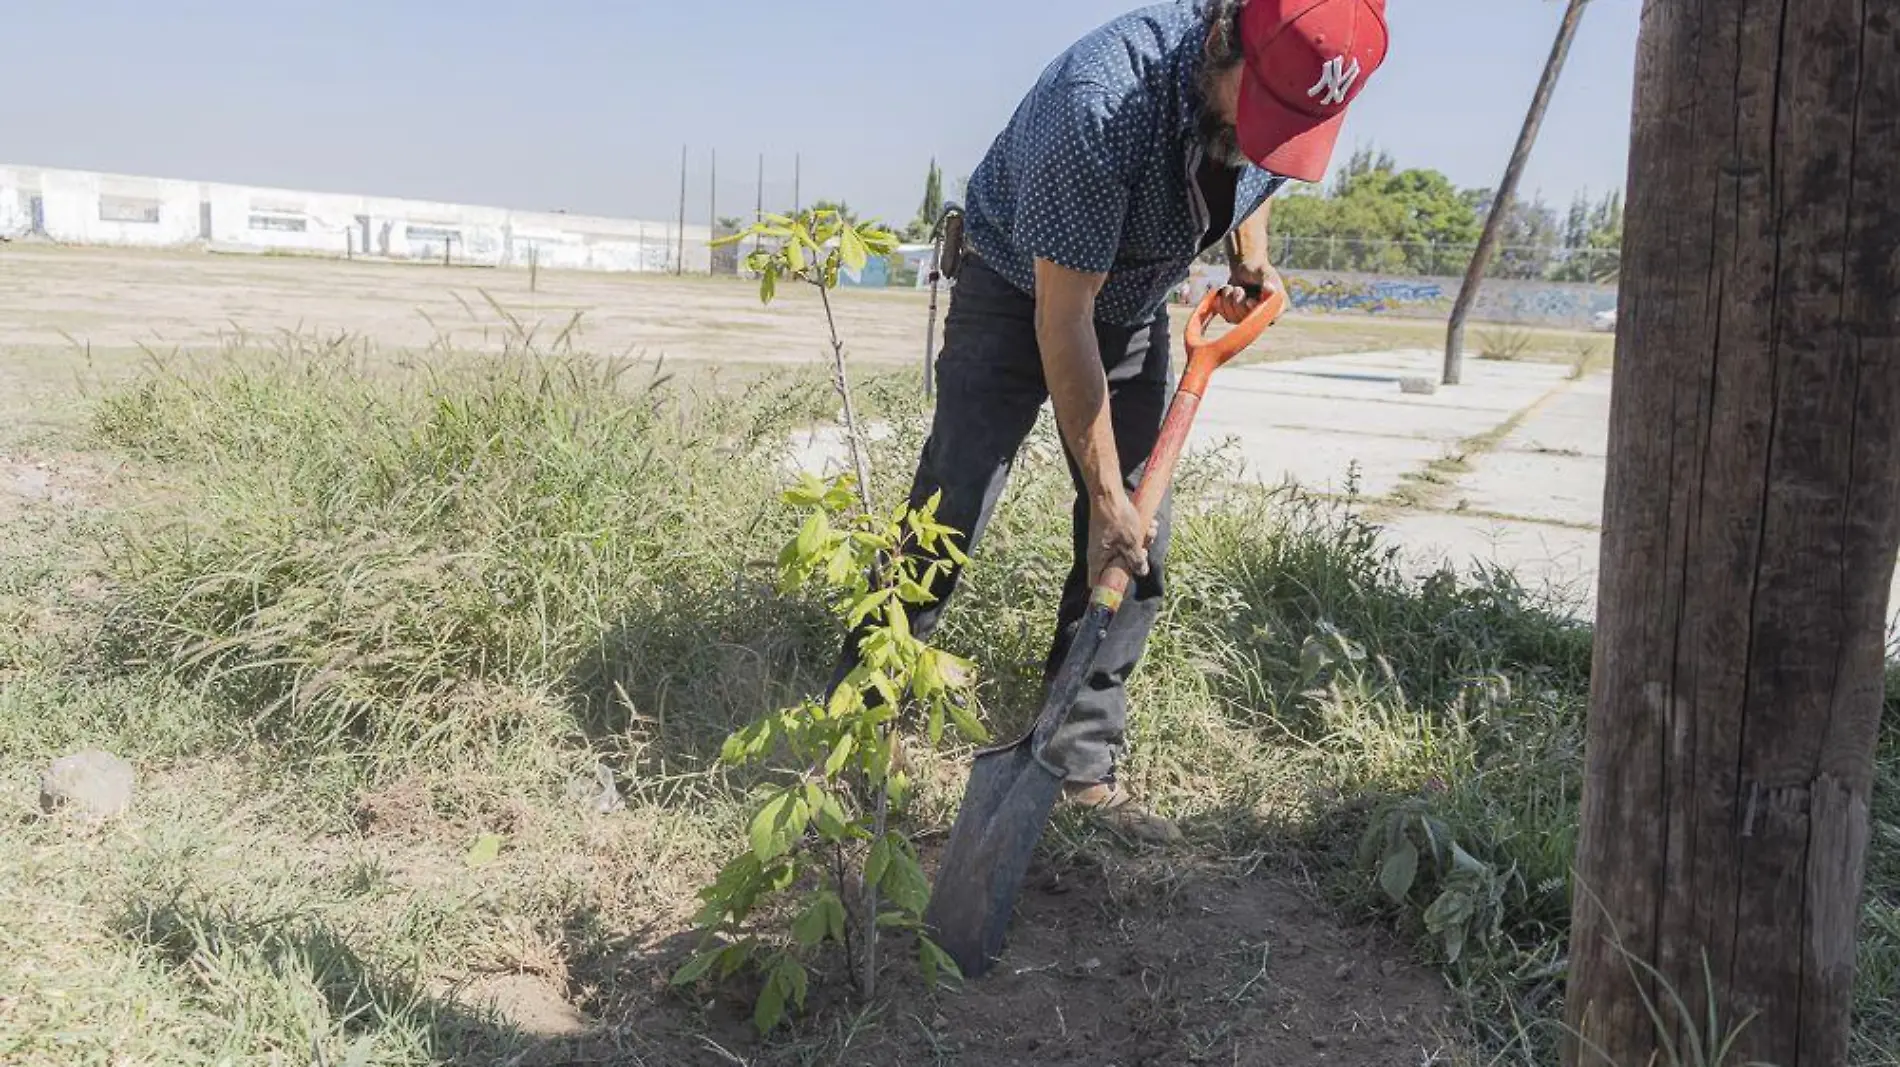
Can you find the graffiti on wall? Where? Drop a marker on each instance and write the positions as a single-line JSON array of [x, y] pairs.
[[1527, 301], [1375, 295], [1552, 303]]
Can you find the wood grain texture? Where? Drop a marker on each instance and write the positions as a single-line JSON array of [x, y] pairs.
[[1752, 516]]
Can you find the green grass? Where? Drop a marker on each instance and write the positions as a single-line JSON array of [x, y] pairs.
[[348, 620]]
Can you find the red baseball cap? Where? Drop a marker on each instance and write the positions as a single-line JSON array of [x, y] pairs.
[[1306, 61]]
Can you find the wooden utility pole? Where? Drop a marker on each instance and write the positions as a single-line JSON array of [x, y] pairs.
[[1751, 523], [1507, 191], [679, 237]]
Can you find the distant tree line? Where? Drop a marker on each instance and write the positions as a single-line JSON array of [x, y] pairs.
[[1374, 217], [1377, 218]]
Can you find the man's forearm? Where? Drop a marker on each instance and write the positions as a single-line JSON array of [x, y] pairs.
[[1072, 367], [1250, 238], [1078, 387]]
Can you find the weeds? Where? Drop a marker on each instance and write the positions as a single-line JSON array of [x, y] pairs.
[[1504, 343], [1585, 356], [426, 568], [402, 612]]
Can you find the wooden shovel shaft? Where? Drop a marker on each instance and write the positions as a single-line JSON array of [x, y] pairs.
[[1155, 479], [1204, 358]]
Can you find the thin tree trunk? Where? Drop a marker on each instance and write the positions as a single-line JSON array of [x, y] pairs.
[[1507, 192], [860, 445], [1751, 523]]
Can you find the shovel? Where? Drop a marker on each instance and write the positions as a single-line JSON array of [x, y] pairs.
[[1012, 788]]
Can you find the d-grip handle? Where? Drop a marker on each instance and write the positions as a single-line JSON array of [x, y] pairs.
[[1204, 358]]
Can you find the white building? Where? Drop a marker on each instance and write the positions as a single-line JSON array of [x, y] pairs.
[[86, 208]]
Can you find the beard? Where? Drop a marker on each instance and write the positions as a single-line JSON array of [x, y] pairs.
[[1221, 142], [1218, 138]]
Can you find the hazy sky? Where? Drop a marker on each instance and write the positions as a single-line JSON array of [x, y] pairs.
[[584, 105]]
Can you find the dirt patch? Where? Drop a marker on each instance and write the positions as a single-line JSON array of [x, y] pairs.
[[437, 808], [1147, 965], [1111, 963], [28, 482], [526, 1002]]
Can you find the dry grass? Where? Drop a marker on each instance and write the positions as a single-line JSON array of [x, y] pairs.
[[351, 619]]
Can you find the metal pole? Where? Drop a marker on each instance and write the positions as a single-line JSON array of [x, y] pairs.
[[797, 204], [679, 261], [712, 204], [758, 213]]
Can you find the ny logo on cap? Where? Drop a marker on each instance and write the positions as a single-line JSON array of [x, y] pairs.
[[1335, 80]]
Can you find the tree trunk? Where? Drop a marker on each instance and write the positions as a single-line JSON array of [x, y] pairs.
[[1752, 515], [1507, 192]]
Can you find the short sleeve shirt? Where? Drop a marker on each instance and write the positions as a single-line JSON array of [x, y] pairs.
[[1096, 170]]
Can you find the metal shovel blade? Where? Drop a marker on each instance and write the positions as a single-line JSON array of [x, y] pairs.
[[1005, 807]]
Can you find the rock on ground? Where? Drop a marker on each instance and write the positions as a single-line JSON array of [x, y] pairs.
[[94, 784]]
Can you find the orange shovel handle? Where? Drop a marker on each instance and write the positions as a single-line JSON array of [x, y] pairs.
[[1204, 358]]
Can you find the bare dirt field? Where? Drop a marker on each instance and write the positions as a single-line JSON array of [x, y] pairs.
[[52, 298]]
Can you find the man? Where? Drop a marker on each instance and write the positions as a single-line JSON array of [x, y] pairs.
[[1146, 143]]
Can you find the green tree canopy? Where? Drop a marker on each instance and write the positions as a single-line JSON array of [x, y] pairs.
[[932, 207], [1376, 216]]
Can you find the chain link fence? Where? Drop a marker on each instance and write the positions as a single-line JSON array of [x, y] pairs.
[[1428, 259]]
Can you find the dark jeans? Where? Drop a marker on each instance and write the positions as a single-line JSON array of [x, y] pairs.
[[990, 388]]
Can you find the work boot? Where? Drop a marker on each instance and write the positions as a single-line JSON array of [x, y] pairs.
[[1109, 800]]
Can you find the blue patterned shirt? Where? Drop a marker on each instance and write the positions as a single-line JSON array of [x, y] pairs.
[[1096, 169]]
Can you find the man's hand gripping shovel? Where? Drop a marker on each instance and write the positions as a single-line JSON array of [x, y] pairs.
[[1012, 787]]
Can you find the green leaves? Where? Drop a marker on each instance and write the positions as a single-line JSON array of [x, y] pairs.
[[727, 958], [748, 744], [839, 751], [827, 814], [1412, 849], [778, 825], [851, 247], [812, 247], [486, 850], [822, 918], [878, 862], [870, 602], [785, 980], [966, 722], [902, 877], [1398, 871], [935, 963], [834, 763]]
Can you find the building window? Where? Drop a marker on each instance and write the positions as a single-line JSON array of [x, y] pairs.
[[128, 209], [282, 223], [431, 233]]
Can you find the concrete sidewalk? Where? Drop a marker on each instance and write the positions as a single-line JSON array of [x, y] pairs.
[[1333, 421], [1534, 503], [1530, 500]]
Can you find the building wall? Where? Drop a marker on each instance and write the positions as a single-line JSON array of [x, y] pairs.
[[1524, 301], [109, 209], [15, 204], [104, 209]]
